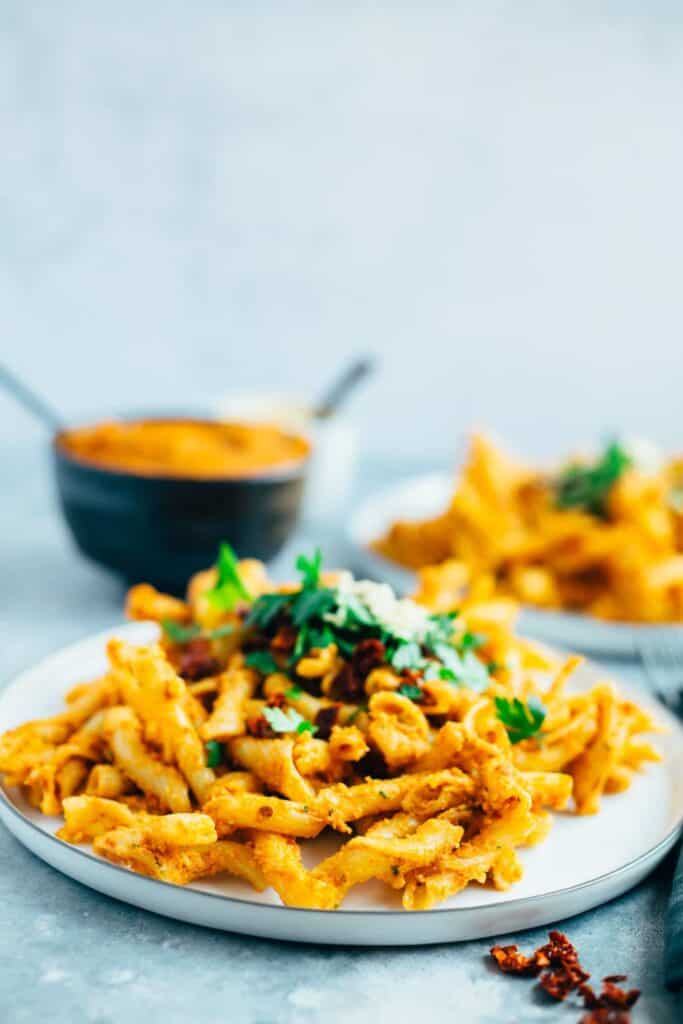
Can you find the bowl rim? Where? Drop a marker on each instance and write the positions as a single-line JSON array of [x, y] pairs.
[[292, 469]]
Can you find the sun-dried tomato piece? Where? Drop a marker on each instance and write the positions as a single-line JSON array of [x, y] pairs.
[[284, 640], [196, 660], [325, 720], [260, 728], [348, 686], [367, 654]]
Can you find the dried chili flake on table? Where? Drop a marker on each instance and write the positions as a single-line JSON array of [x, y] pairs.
[[511, 961], [564, 973], [611, 1000], [557, 963], [604, 1016]]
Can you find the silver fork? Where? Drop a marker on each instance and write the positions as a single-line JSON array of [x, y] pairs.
[[662, 660]]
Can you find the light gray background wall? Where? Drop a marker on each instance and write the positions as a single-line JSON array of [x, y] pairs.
[[204, 197]]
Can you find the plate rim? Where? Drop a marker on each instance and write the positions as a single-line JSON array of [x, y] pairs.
[[8, 808]]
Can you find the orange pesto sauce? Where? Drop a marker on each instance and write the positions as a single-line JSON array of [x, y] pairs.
[[185, 447]]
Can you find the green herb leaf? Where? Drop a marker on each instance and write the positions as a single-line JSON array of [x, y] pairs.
[[178, 634], [351, 613], [293, 692], [449, 657], [263, 661], [306, 726], [310, 569], [266, 608], [474, 673], [287, 720], [310, 604], [214, 754], [320, 637], [463, 669], [520, 720], [300, 647], [472, 641], [409, 690], [440, 628], [228, 589], [407, 655], [587, 486]]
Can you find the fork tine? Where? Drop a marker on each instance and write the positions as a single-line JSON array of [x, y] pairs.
[[661, 656]]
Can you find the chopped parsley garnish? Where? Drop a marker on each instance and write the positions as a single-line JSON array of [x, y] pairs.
[[263, 661], [214, 753], [407, 655], [287, 720], [310, 569], [440, 628], [293, 692], [410, 690], [178, 634], [266, 609], [587, 485], [521, 720], [463, 669], [311, 604], [322, 615], [228, 589], [306, 726], [472, 641]]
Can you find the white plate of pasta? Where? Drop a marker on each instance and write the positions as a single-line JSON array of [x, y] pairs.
[[419, 498], [468, 829]]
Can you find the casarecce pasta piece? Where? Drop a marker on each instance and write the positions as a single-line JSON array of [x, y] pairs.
[[272, 761], [235, 687], [123, 732], [232, 811]]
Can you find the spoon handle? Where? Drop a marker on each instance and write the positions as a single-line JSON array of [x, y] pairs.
[[29, 399], [342, 387]]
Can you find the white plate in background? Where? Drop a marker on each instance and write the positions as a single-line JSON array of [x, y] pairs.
[[421, 497], [584, 862]]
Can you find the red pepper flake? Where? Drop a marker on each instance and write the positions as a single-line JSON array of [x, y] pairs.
[[557, 963]]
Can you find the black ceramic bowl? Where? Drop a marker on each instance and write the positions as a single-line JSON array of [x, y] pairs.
[[162, 529]]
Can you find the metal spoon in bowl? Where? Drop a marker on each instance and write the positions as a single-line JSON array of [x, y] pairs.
[[341, 388], [32, 402]]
